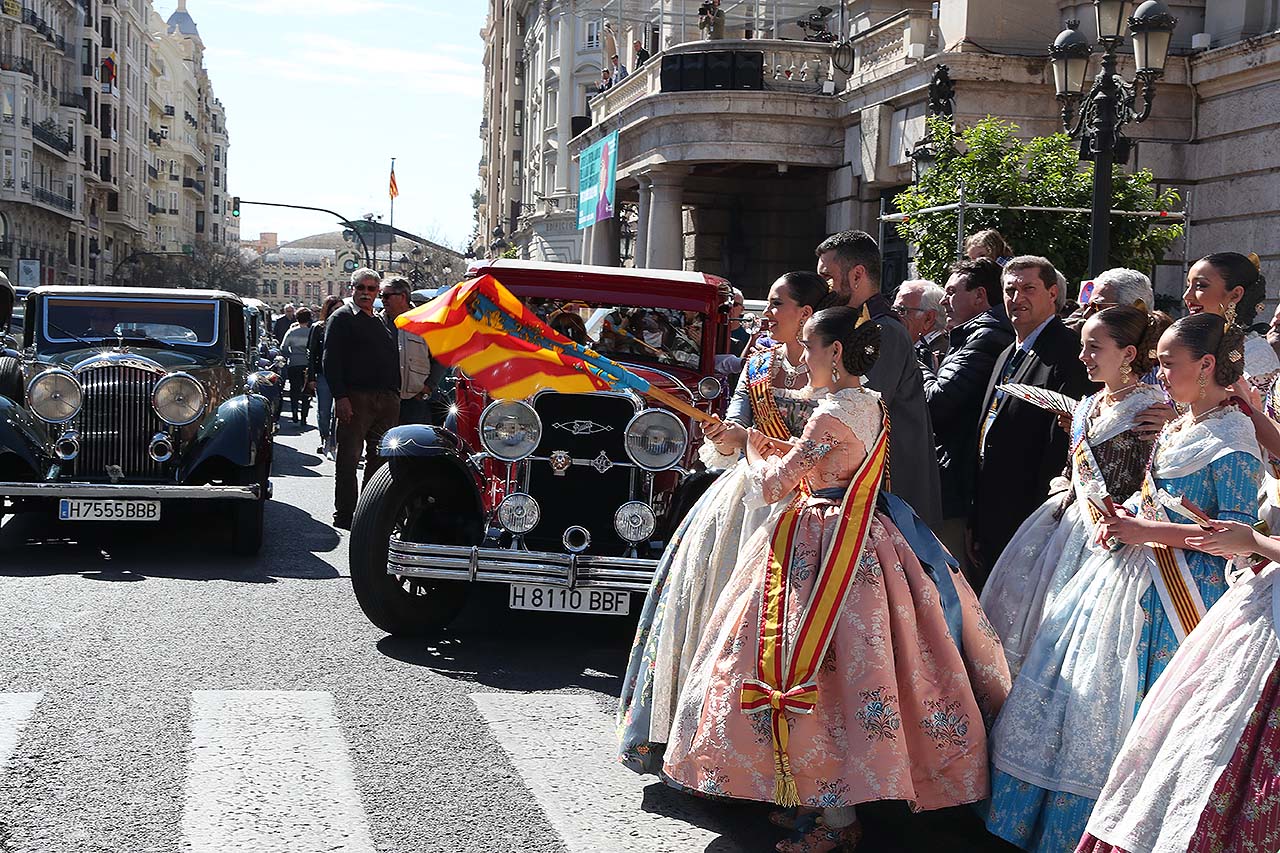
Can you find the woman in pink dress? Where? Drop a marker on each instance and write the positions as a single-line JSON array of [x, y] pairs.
[[836, 668]]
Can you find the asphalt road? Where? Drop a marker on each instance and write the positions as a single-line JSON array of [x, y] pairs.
[[157, 694]]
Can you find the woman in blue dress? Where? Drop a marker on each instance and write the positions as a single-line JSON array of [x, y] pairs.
[[1110, 633], [773, 396]]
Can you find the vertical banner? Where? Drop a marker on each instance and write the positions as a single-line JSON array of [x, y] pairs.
[[597, 173]]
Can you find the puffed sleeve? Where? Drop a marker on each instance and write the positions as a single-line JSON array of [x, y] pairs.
[[739, 409], [1236, 478], [779, 476]]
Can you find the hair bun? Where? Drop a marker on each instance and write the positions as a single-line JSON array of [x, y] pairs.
[[1257, 261]]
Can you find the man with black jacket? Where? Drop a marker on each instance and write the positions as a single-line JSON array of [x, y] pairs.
[[980, 331], [1020, 446]]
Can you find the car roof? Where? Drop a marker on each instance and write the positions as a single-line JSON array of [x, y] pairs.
[[657, 288], [135, 292]]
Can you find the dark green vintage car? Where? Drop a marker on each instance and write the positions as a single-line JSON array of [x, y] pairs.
[[122, 401]]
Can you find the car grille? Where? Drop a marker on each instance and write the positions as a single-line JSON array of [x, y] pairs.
[[584, 426], [117, 422]]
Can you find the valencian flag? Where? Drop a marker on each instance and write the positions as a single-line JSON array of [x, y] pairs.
[[481, 328], [394, 190]]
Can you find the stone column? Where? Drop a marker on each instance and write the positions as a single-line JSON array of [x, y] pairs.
[[587, 244], [604, 243], [664, 245], [566, 92], [642, 223]]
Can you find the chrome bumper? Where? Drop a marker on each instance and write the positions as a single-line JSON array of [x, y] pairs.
[[122, 491], [499, 565]]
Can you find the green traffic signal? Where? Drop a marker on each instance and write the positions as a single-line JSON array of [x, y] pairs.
[[235, 205]]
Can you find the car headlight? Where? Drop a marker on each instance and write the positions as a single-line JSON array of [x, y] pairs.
[[634, 521], [510, 429], [55, 396], [519, 513], [656, 439], [178, 399]]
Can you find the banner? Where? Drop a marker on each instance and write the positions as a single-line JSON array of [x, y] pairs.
[[597, 173]]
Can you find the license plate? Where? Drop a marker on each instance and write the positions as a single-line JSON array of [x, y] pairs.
[[72, 509], [610, 602]]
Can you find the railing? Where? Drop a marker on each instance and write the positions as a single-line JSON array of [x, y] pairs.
[[169, 110], [152, 209], [40, 194], [152, 172], [886, 47], [155, 137], [20, 64], [54, 138], [75, 100]]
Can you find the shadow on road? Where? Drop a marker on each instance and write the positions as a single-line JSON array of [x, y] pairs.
[[290, 462]]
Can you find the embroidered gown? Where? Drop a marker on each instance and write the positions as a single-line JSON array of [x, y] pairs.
[[1106, 639], [696, 563], [1055, 540], [899, 711]]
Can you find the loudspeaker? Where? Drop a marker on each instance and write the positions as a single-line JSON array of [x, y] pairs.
[[720, 69], [693, 72], [670, 72], [579, 124], [748, 69]]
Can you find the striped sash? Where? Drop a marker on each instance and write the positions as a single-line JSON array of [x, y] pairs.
[[1170, 573], [786, 667], [764, 408]]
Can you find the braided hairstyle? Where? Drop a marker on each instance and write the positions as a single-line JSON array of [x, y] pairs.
[[1239, 270], [808, 289], [860, 344], [1208, 334], [1128, 326]]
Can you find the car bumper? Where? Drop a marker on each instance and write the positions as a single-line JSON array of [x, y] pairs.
[[500, 565], [123, 491]]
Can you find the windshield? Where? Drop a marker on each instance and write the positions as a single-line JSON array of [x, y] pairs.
[[659, 335], [86, 318]]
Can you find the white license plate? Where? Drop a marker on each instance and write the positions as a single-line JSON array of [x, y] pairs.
[[71, 509], [610, 602]]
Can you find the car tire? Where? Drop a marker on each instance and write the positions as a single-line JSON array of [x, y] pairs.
[[432, 604], [11, 378], [248, 517]]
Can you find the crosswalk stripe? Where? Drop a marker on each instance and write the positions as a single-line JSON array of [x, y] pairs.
[[15, 710], [270, 772], [563, 746]]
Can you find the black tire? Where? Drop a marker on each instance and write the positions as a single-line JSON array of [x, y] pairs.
[[248, 517], [402, 607], [11, 378]]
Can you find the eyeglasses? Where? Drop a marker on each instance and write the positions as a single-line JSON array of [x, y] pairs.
[[386, 294], [903, 309], [367, 288]]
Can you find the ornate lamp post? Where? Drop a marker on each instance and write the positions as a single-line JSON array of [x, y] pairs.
[[1112, 101]]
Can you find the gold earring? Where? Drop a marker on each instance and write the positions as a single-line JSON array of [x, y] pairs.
[[1204, 383], [1125, 371], [835, 371], [1229, 313]]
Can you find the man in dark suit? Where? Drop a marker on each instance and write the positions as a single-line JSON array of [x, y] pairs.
[[1020, 446], [850, 261]]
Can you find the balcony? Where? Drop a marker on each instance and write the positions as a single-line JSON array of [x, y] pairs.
[[20, 64], [155, 137], [152, 209], [75, 100], [193, 184], [53, 136], [153, 173], [169, 110], [43, 196]]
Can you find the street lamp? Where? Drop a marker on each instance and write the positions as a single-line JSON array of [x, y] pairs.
[[1111, 103]]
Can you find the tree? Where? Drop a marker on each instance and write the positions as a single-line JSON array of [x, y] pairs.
[[996, 167], [209, 265]]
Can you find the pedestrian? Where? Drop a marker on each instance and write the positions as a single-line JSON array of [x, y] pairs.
[[642, 55], [618, 71], [980, 332], [988, 243], [362, 365], [850, 261], [1116, 286], [802, 692], [1107, 458], [711, 20], [315, 373], [918, 303], [1020, 446], [294, 348], [283, 323], [738, 336], [415, 358], [606, 81], [1273, 331], [1112, 631]]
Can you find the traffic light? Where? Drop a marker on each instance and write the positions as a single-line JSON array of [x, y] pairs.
[[235, 205]]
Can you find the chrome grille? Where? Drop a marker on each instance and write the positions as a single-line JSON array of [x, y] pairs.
[[117, 422]]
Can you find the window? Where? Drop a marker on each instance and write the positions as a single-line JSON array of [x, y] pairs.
[[592, 40], [217, 153], [516, 162], [517, 120]]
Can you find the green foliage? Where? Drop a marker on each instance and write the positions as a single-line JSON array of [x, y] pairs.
[[996, 167]]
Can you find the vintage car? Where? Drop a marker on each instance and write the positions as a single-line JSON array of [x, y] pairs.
[[265, 361], [8, 310], [566, 498], [125, 401]]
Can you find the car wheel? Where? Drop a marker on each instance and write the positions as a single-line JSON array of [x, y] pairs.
[[247, 516], [11, 378], [399, 606]]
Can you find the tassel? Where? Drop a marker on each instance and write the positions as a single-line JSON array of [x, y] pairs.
[[785, 792]]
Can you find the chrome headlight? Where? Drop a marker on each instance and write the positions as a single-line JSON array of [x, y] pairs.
[[519, 513], [55, 396], [634, 521], [709, 388], [178, 399], [510, 429], [656, 439]]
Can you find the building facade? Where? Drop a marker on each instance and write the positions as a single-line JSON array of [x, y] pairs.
[[84, 88], [744, 180]]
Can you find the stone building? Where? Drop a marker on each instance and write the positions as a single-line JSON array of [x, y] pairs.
[[743, 180], [542, 62]]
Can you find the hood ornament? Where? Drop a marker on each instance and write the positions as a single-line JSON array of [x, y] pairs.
[[583, 427], [602, 463], [116, 473], [560, 462]]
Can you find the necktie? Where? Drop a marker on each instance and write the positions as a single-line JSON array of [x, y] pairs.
[[1010, 368]]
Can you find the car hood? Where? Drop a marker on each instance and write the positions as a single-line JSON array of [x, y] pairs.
[[169, 359]]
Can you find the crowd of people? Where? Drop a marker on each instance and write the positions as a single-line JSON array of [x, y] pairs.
[[1059, 617]]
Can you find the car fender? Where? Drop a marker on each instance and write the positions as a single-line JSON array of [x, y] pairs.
[[438, 454], [267, 383], [237, 431], [23, 435]]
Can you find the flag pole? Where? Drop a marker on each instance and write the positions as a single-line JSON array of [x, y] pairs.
[[391, 239]]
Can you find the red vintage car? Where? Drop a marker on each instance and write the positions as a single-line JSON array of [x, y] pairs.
[[568, 499]]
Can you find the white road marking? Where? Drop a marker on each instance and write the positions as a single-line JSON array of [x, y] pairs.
[[270, 773], [564, 745], [15, 710]]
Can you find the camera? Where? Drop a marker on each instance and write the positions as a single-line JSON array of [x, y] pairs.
[[815, 25], [707, 8]]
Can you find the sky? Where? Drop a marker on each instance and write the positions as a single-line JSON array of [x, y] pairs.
[[321, 94]]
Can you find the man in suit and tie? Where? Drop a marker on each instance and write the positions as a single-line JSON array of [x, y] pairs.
[[1020, 446], [918, 303], [850, 262]]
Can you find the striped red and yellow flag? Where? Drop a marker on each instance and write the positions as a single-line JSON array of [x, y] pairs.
[[394, 189], [481, 328]]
